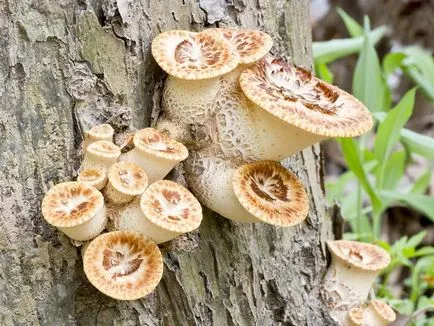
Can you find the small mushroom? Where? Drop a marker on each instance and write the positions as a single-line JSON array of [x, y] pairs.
[[100, 154], [293, 110], [76, 209], [95, 177], [165, 211], [126, 180], [375, 313], [124, 265], [98, 132], [155, 153]]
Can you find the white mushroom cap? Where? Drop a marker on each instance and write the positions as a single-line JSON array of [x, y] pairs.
[[189, 55], [375, 313], [100, 154], [95, 177], [76, 209], [98, 132], [123, 265]]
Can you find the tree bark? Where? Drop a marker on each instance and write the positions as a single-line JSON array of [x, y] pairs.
[[67, 65]]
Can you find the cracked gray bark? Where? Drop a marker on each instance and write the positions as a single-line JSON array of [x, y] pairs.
[[66, 65]]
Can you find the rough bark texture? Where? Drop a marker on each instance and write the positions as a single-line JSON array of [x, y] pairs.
[[66, 65]]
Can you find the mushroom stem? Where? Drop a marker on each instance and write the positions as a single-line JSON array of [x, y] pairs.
[[100, 154], [87, 230]]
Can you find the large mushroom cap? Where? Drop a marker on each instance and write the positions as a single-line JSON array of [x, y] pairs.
[[189, 55], [271, 193], [251, 45], [123, 265], [128, 178], [383, 310], [104, 149], [295, 96], [360, 255], [153, 142], [171, 206], [69, 204]]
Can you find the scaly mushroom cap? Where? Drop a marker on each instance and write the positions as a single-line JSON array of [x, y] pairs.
[[152, 141], [171, 207], [123, 265], [384, 310], [293, 95], [360, 255], [94, 177], [189, 55], [69, 204], [251, 45], [103, 131], [271, 193], [104, 149], [128, 178]]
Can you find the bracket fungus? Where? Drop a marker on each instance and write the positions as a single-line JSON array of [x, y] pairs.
[[165, 211], [375, 313], [100, 154], [76, 209], [98, 132], [123, 265], [94, 177]]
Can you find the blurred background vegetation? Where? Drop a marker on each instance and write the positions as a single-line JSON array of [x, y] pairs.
[[381, 51]]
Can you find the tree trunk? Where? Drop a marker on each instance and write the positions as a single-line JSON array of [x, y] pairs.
[[68, 64]]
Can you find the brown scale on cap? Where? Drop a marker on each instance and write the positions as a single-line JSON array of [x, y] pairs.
[[271, 193], [123, 265], [189, 55], [71, 203], [128, 177], [171, 206], [295, 96]]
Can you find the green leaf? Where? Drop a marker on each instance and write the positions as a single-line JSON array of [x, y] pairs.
[[324, 72], [422, 183], [353, 27], [416, 239], [393, 170], [392, 61], [421, 203], [425, 251]]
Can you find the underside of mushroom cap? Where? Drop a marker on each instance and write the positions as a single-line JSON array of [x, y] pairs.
[[293, 95], [128, 178], [171, 206], [189, 55], [271, 193], [123, 265], [104, 149], [69, 204], [154, 142], [251, 45], [360, 255], [383, 310]]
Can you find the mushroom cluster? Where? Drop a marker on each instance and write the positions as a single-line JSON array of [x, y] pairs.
[[124, 262]]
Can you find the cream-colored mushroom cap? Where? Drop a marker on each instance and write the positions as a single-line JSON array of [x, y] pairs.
[[251, 45], [128, 178], [271, 193], [293, 95], [69, 204], [356, 315], [153, 142], [124, 265], [104, 149], [95, 177], [189, 55], [360, 255], [102, 131], [383, 310], [171, 207]]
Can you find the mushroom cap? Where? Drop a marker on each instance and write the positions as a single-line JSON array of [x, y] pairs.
[[251, 45], [104, 149], [101, 131], [124, 265], [93, 177], [271, 193], [293, 95], [128, 178], [190, 55], [155, 143], [69, 204], [384, 310], [171, 206], [364, 256], [356, 315]]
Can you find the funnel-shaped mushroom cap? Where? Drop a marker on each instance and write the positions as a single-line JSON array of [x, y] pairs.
[[189, 55], [95, 177], [171, 207], [383, 310], [69, 204], [155, 143], [356, 316], [293, 95], [375, 313], [100, 132], [251, 45], [359, 255], [128, 178], [124, 265], [271, 193], [104, 149]]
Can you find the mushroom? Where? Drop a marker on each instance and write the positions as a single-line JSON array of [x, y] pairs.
[[125, 181], [375, 313], [76, 209], [165, 211], [123, 265], [100, 154], [99, 132], [155, 153], [291, 109], [95, 177]]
